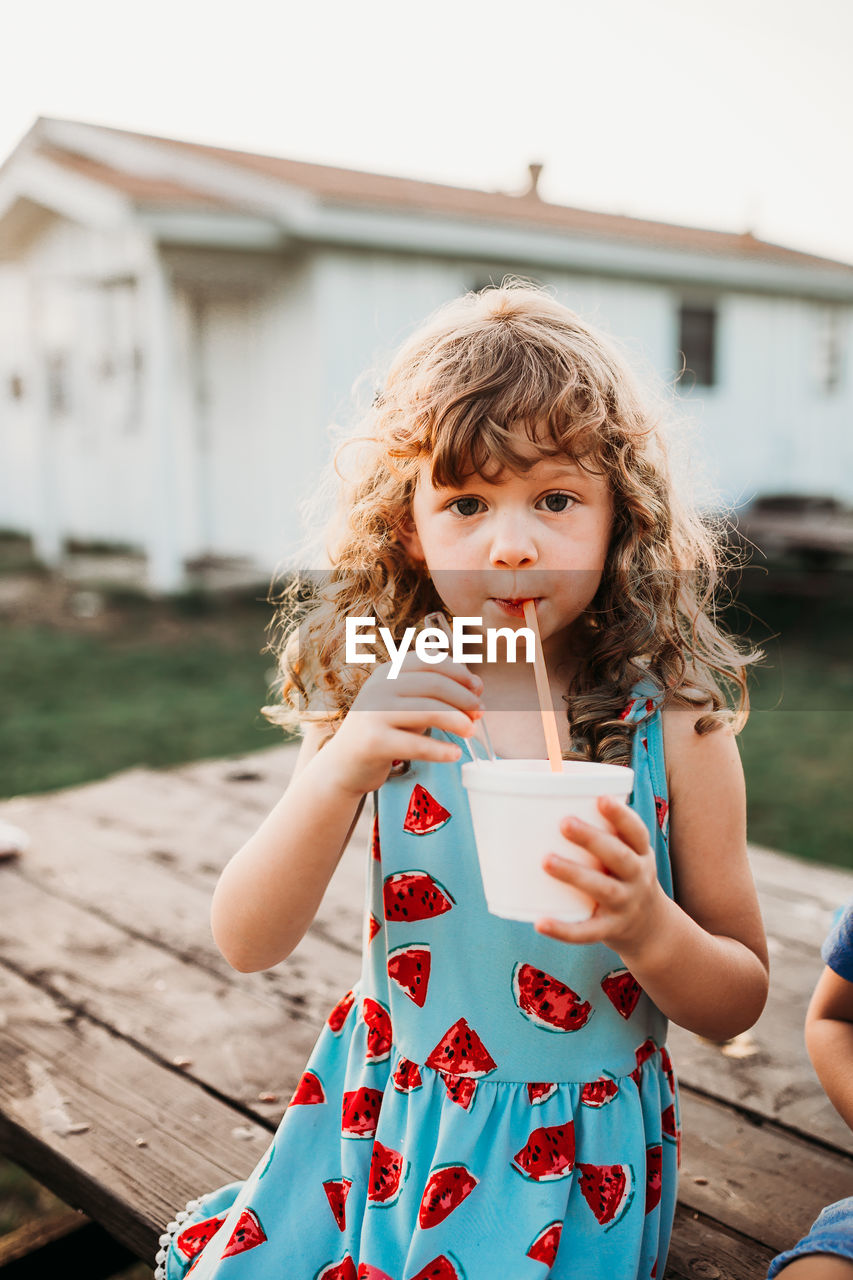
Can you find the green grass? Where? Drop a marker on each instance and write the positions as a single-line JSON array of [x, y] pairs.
[[797, 747], [80, 706]]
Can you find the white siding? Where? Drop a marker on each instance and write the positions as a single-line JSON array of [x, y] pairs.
[[74, 441], [770, 424], [268, 352]]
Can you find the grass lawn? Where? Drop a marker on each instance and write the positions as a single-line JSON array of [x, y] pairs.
[[797, 748], [155, 688]]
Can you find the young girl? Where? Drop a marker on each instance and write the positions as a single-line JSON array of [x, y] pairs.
[[496, 1099]]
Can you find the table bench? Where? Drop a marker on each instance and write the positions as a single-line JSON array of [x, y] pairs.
[[137, 1069]]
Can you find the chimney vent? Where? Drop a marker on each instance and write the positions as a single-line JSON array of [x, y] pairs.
[[535, 170]]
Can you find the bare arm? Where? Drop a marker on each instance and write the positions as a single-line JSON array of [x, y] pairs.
[[269, 892], [702, 958], [718, 987], [829, 1040]]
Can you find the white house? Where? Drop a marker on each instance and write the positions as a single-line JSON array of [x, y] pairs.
[[179, 324]]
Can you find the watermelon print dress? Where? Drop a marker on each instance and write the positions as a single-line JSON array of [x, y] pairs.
[[486, 1102]]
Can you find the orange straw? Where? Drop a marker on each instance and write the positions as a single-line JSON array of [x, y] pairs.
[[543, 689]]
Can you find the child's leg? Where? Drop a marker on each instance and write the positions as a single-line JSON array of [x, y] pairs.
[[818, 1266]]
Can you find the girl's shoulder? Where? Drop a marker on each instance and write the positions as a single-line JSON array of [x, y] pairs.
[[698, 761]]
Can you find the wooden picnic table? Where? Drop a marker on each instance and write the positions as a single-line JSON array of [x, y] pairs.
[[138, 1070]]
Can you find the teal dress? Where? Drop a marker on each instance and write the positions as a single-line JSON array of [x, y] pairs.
[[485, 1102]]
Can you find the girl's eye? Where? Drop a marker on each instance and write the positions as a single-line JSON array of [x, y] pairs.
[[465, 506], [557, 502]]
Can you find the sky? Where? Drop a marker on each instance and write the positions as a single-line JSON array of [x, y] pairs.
[[730, 114]]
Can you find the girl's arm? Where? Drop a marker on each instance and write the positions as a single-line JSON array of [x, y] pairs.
[[829, 1040], [702, 958], [269, 892]]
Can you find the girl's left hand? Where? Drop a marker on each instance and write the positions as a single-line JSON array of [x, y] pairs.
[[627, 891]]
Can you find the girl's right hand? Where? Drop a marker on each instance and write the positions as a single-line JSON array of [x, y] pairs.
[[389, 718]]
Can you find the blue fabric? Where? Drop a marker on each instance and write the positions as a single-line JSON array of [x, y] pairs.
[[832, 1232], [549, 1151], [837, 950]]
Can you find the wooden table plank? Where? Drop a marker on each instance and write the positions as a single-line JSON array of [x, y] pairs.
[[238, 1037], [701, 1250], [75, 1101]]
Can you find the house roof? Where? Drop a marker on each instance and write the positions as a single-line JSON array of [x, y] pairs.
[[331, 188]]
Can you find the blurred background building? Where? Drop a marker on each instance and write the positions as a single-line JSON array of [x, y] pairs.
[[180, 323]]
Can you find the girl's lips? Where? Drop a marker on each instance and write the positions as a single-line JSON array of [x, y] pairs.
[[515, 608]]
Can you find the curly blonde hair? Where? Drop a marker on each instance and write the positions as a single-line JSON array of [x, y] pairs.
[[457, 393]]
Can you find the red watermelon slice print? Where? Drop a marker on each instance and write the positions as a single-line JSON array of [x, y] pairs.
[[409, 967], [547, 1002], [373, 927], [340, 1013], [414, 895], [654, 1178], [662, 811], [460, 1089], [666, 1066], [544, 1247], [622, 990], [367, 1272], [377, 1019], [424, 815], [374, 840], [343, 1270], [360, 1113], [461, 1052], [193, 1239], [549, 1154], [407, 1077], [446, 1188], [647, 1050], [309, 1091], [337, 1190], [607, 1189], [247, 1234], [599, 1092], [669, 1128], [540, 1092], [388, 1171]]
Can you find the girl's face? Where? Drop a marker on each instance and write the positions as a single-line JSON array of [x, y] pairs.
[[541, 535]]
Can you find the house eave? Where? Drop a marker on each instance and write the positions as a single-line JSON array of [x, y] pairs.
[[214, 230], [586, 254]]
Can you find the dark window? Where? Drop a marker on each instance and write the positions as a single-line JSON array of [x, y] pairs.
[[697, 342]]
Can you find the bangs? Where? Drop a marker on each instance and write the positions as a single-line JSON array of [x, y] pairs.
[[489, 448], [530, 396]]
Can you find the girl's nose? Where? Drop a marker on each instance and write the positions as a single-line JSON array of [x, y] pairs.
[[513, 546]]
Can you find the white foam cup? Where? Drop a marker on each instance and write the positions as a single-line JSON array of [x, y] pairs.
[[516, 809]]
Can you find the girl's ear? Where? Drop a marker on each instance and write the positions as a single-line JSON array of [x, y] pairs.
[[408, 536]]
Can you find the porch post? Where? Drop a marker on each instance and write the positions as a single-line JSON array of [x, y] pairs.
[[47, 531], [162, 542]]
